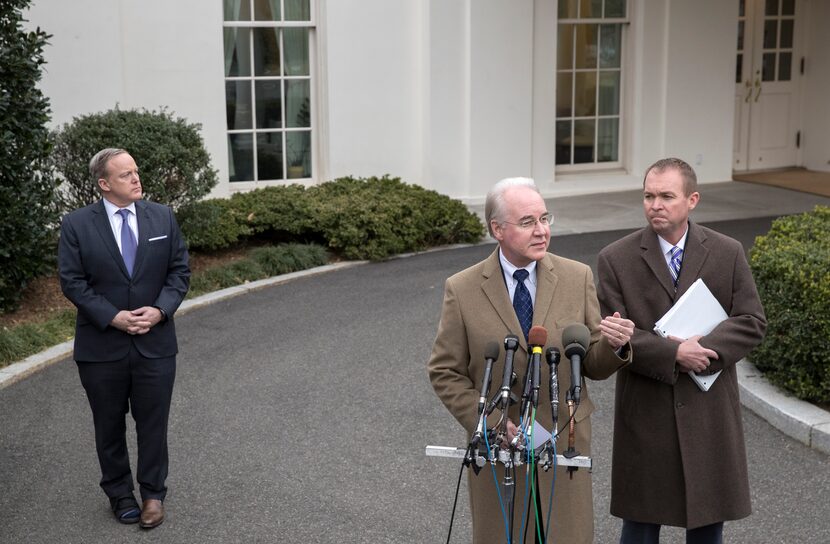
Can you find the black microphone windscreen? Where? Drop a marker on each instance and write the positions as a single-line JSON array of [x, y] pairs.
[[552, 356], [537, 336], [492, 350], [576, 338]]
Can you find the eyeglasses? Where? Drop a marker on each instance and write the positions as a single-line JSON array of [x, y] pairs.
[[546, 220]]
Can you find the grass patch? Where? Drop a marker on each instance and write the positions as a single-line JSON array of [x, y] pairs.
[[22, 340]]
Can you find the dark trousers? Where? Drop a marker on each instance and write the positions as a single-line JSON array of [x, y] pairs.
[[634, 532], [141, 386]]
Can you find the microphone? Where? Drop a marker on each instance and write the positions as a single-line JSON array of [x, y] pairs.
[[536, 339], [511, 344], [552, 357], [491, 353], [576, 339]]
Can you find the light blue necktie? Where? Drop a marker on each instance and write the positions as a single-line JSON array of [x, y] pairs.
[[522, 302], [128, 243], [674, 264]]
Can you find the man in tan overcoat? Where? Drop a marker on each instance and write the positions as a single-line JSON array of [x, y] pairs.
[[477, 309], [679, 456]]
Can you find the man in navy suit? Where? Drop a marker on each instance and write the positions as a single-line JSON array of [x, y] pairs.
[[123, 263]]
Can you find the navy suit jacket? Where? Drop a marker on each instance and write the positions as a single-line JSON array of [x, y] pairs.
[[93, 276]]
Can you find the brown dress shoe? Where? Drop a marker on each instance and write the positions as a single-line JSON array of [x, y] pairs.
[[152, 513]]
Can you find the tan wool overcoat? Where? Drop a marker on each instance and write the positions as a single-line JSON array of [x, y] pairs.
[[679, 456], [477, 310]]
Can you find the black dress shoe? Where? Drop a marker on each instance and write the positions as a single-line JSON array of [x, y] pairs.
[[126, 509]]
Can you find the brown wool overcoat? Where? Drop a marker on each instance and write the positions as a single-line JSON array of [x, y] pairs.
[[679, 456], [478, 310]]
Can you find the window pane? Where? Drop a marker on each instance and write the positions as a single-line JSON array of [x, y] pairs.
[[609, 93], [786, 34], [297, 10], [788, 7], [267, 10], [615, 8], [565, 47], [739, 68], [237, 52], [742, 8], [768, 68], [564, 94], [299, 153], [269, 155], [585, 94], [586, 46], [266, 52], [295, 41], [241, 157], [238, 104], [590, 8], [770, 34], [297, 101], [609, 46], [740, 35], [567, 9], [268, 104], [784, 63], [563, 142], [237, 10], [771, 7], [583, 141], [608, 137]]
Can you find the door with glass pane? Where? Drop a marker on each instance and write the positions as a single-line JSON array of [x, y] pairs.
[[767, 85]]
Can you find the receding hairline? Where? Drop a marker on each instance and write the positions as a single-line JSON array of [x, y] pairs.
[[687, 173], [493, 204]]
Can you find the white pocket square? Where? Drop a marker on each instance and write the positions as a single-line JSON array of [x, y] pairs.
[[157, 238]]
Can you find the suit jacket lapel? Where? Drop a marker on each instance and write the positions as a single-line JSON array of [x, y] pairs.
[[496, 292], [546, 280], [653, 256], [104, 228], [694, 255]]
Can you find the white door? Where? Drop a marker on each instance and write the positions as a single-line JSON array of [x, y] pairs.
[[768, 73]]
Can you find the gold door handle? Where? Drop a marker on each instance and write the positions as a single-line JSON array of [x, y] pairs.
[[757, 86], [748, 85]]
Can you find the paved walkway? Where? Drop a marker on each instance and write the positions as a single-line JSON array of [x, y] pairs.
[[309, 425]]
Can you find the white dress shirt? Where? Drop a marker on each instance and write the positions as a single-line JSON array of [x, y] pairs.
[[115, 220]]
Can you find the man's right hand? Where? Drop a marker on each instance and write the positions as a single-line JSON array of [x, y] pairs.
[[691, 356], [125, 321]]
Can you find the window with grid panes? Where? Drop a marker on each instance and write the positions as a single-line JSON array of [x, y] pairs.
[[589, 82], [268, 89]]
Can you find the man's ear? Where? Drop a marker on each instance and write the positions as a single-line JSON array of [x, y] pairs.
[[498, 230], [103, 185]]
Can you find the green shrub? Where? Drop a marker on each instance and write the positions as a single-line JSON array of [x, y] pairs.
[[375, 218], [212, 224], [275, 210], [791, 266], [20, 341], [171, 157], [285, 258], [29, 217]]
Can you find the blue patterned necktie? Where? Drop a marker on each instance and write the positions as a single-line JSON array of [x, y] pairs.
[[522, 302], [674, 264], [128, 243]]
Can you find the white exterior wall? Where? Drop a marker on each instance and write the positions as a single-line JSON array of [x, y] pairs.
[[137, 54], [816, 112]]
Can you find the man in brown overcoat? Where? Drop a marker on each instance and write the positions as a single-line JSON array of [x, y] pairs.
[[477, 309], [679, 456]]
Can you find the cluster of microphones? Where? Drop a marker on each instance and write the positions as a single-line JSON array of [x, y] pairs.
[[575, 339]]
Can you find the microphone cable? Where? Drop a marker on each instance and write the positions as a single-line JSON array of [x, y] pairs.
[[455, 502], [552, 489], [498, 491]]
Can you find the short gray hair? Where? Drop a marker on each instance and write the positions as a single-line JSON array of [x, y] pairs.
[[494, 205], [98, 164]]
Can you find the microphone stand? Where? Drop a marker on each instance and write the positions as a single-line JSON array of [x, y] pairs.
[[571, 451]]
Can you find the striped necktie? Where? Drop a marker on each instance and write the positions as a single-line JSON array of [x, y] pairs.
[[675, 261], [128, 242], [522, 302]]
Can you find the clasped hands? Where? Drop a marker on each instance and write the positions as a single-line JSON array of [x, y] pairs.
[[138, 321], [617, 330]]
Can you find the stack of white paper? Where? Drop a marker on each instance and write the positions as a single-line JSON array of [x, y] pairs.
[[697, 312]]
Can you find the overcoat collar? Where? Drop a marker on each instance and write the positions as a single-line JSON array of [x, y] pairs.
[[496, 292], [694, 255], [102, 225]]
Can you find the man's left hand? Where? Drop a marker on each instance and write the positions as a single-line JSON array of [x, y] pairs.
[[143, 319]]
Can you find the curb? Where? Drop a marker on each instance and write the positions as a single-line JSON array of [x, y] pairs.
[[797, 419], [15, 372]]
